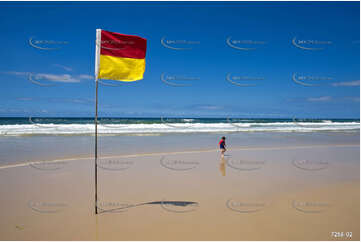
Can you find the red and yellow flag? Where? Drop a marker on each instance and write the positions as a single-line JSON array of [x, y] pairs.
[[120, 57]]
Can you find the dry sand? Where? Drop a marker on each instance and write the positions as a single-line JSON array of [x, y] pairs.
[[296, 192]]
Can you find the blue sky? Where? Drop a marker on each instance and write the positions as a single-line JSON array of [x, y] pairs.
[[235, 59]]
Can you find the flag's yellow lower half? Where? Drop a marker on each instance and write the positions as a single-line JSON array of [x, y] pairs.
[[120, 68]]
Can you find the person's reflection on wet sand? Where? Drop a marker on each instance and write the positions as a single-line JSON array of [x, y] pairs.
[[222, 166]]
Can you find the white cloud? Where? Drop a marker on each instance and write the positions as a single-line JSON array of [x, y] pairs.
[[16, 73], [24, 98], [82, 100], [89, 77], [65, 78], [353, 99], [319, 99], [56, 78], [209, 107], [63, 67], [346, 84]]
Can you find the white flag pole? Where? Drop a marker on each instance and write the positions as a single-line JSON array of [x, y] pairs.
[[97, 56]]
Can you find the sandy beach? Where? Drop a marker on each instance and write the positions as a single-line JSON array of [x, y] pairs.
[[176, 187], [180, 121]]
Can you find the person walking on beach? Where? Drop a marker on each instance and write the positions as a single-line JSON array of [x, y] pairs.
[[222, 145]]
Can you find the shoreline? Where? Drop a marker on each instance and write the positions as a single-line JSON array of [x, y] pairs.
[[22, 164], [350, 132], [158, 127]]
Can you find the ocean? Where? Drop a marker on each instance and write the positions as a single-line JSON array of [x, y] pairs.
[[158, 126]]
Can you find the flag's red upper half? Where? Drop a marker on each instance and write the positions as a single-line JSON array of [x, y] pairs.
[[121, 45]]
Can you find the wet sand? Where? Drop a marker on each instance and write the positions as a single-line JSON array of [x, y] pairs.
[[290, 189]]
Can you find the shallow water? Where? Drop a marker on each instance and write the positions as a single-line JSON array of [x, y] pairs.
[[38, 148]]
